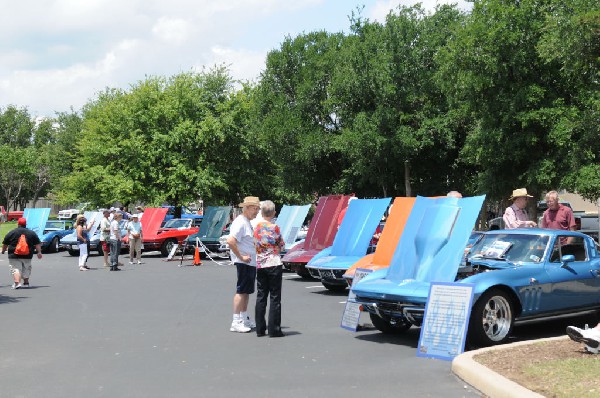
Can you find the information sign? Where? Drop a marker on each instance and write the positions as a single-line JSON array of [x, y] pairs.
[[446, 320], [351, 315]]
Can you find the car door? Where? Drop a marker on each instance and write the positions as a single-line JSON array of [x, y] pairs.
[[575, 284]]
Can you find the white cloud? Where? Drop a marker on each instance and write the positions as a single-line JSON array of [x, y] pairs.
[[382, 7], [55, 54]]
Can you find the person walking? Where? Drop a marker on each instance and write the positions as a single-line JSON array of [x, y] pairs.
[[115, 242], [83, 240], [134, 234], [243, 256], [20, 264], [515, 215], [105, 236], [269, 272]]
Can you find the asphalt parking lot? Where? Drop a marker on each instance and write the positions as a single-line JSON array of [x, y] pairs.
[[160, 330]]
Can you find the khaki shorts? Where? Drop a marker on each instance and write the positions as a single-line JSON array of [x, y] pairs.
[[21, 265]]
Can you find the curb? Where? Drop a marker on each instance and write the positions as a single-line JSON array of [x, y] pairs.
[[488, 382]]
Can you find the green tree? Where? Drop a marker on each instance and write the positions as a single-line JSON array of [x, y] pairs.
[[162, 141]]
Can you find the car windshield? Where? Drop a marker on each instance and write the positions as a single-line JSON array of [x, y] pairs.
[[55, 225], [178, 223], [510, 247]]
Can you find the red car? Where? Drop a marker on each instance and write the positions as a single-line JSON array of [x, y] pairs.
[[175, 231]]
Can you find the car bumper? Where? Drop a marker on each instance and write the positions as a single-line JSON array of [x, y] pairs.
[[393, 310]]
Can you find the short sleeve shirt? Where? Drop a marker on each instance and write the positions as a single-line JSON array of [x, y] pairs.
[[268, 242], [242, 231], [562, 218], [134, 228], [11, 239], [115, 231]]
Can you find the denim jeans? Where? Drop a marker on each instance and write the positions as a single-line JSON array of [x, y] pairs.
[[115, 249]]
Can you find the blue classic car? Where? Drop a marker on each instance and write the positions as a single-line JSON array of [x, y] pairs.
[[518, 275], [54, 231]]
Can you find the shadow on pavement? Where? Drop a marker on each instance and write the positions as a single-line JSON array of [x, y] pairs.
[[9, 299]]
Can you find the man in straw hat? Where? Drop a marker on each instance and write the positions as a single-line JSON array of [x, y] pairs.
[[243, 256], [515, 216]]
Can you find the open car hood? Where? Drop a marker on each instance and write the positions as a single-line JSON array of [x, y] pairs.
[[390, 236], [211, 228], [290, 221], [430, 248], [322, 229], [36, 219], [354, 235], [153, 218]]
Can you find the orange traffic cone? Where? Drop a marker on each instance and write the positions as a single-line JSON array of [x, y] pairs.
[[197, 256]]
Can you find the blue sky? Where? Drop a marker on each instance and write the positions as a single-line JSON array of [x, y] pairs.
[[57, 54]]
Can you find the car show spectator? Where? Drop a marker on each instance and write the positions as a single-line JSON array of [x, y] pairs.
[[243, 256], [515, 215], [20, 264], [557, 216], [134, 231], [115, 242], [454, 194], [83, 241], [105, 236], [269, 272]]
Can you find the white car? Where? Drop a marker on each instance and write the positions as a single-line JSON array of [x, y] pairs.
[[71, 214]]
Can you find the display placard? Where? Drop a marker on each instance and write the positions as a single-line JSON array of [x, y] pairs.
[[444, 327], [351, 315]]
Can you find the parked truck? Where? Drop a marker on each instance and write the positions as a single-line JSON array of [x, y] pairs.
[[9, 215]]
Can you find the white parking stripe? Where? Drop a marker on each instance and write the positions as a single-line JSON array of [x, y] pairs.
[[312, 287]]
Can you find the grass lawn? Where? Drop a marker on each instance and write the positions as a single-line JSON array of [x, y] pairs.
[[5, 227]]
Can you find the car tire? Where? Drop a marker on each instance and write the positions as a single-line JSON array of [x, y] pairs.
[[387, 327], [53, 248], [167, 246], [303, 272], [73, 253], [492, 318], [333, 287]]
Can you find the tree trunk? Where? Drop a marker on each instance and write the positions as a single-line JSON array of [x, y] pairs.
[[407, 178]]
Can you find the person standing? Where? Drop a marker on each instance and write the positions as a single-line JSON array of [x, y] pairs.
[[243, 256], [269, 272], [105, 236], [83, 240], [115, 242], [557, 216], [20, 264], [515, 215], [134, 231]]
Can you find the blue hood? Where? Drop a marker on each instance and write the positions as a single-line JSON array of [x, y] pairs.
[[354, 235], [211, 228], [36, 219], [290, 221], [430, 249]]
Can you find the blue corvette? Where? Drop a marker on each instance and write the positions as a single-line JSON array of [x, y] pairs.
[[518, 275], [54, 231]]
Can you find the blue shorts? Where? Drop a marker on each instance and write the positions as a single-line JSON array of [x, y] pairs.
[[246, 276]]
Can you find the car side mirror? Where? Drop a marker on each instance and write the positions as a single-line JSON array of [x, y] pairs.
[[566, 259]]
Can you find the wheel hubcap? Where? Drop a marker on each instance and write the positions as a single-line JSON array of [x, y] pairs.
[[497, 318]]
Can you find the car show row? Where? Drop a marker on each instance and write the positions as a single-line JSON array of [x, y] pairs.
[[406, 244]]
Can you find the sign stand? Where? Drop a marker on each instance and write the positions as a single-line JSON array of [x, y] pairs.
[[351, 315]]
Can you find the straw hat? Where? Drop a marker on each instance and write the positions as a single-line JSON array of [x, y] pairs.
[[250, 201], [520, 192]]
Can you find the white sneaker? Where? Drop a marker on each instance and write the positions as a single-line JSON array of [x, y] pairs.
[[590, 337], [249, 323], [16, 286], [239, 327], [131, 263], [139, 262]]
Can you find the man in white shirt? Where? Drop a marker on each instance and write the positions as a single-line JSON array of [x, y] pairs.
[[115, 242], [105, 236], [243, 256]]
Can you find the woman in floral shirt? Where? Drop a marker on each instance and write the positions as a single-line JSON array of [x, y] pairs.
[[269, 272]]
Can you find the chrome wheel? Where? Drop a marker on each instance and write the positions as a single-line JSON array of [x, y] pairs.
[[497, 318]]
